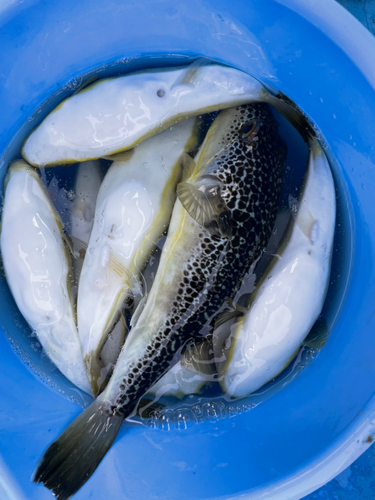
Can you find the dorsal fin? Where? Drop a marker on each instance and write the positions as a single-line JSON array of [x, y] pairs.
[[190, 73]]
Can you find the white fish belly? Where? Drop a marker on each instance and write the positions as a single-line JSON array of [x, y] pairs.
[[291, 296], [126, 217], [179, 382], [37, 270], [133, 209], [115, 114]]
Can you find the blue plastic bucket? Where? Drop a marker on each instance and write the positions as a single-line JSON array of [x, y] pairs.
[[323, 59]]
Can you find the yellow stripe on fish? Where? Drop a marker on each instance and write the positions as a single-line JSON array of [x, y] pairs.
[[38, 269], [197, 271], [116, 114], [132, 211], [291, 293]]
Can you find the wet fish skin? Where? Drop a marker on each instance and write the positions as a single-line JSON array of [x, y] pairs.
[[38, 269], [115, 114], [196, 370], [250, 347], [253, 217], [208, 268], [290, 295], [197, 271], [133, 208]]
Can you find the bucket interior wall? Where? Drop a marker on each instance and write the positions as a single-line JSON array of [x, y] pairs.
[[299, 49]]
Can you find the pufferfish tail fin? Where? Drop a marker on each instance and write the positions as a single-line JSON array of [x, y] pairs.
[[71, 460]]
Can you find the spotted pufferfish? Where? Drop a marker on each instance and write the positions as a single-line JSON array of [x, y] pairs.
[[221, 222]]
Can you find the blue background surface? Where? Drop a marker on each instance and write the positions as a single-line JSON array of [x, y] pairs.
[[48, 46], [357, 482], [363, 10]]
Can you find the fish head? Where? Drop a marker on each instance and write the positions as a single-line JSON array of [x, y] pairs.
[[238, 139], [236, 135], [155, 92]]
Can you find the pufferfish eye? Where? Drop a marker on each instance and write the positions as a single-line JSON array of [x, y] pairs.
[[248, 128], [160, 93]]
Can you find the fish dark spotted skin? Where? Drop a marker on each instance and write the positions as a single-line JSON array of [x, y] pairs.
[[235, 188], [198, 270]]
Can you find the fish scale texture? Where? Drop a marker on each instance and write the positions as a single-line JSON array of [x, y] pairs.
[[252, 178]]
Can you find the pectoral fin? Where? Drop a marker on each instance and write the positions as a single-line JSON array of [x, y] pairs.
[[71, 242], [187, 166], [120, 269], [80, 244], [309, 226], [199, 357], [203, 202], [236, 311], [306, 222]]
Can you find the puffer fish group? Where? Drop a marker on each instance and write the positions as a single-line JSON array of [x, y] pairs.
[[210, 186]]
